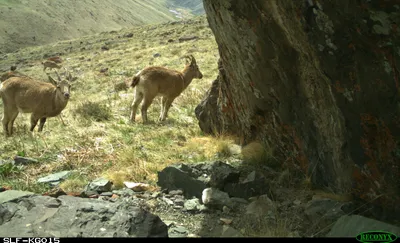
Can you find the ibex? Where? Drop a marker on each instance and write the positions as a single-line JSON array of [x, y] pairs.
[[42, 99], [55, 59], [167, 83], [50, 64], [10, 74]]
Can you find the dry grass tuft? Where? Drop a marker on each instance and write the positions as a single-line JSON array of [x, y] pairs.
[[257, 153]]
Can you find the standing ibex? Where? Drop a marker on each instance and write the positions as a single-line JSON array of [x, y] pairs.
[[167, 83], [10, 74], [50, 64], [42, 99]]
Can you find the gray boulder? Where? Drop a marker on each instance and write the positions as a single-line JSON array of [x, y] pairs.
[[351, 226], [66, 216], [194, 178]]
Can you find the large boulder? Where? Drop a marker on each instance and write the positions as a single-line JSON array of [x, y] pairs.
[[320, 81], [194, 178], [26, 215], [351, 226]]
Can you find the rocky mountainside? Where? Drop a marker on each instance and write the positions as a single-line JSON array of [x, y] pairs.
[[320, 82], [195, 6], [37, 22]]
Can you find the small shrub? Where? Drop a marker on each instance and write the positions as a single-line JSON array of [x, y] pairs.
[[259, 154], [8, 169], [94, 110]]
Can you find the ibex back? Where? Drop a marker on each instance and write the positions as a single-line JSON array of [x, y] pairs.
[[167, 83]]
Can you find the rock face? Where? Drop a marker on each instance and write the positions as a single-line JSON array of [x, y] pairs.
[[320, 81], [42, 216]]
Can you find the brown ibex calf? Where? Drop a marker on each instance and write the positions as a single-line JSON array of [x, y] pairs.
[[42, 99], [51, 65], [167, 83], [55, 59], [10, 74]]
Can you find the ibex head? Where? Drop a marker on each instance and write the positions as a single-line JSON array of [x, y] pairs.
[[191, 62], [63, 85]]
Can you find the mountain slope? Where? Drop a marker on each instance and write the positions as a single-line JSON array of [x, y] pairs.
[[195, 6], [36, 22]]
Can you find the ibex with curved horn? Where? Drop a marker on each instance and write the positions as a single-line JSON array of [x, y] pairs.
[[167, 83], [42, 99]]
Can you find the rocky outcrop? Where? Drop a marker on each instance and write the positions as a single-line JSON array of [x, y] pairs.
[[27, 215], [319, 80]]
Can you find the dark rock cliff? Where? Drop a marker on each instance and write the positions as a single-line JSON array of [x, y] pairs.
[[320, 81]]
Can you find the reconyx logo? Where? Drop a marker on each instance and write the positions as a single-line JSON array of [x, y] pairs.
[[376, 236]]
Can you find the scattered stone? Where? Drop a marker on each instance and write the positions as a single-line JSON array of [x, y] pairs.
[[19, 160], [262, 207], [324, 211], [187, 38], [137, 187], [177, 207], [179, 202], [351, 226], [226, 221], [216, 198], [193, 236], [192, 205], [297, 202], [11, 195], [168, 201], [226, 209], [114, 196], [67, 216], [56, 192], [56, 178], [156, 55], [181, 176], [99, 185], [129, 35], [143, 196], [255, 184], [105, 48], [170, 40], [106, 194], [155, 194], [175, 192], [169, 223], [222, 173], [177, 232], [125, 192]]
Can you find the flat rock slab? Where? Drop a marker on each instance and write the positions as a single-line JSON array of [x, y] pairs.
[[56, 177], [67, 216], [10, 195], [351, 226]]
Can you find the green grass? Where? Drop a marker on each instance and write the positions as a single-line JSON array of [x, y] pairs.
[[97, 138]]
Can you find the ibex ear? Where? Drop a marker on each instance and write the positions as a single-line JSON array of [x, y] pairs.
[[187, 60], [193, 60], [52, 80]]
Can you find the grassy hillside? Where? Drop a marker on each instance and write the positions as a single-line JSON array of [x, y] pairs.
[[98, 140], [35, 22]]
